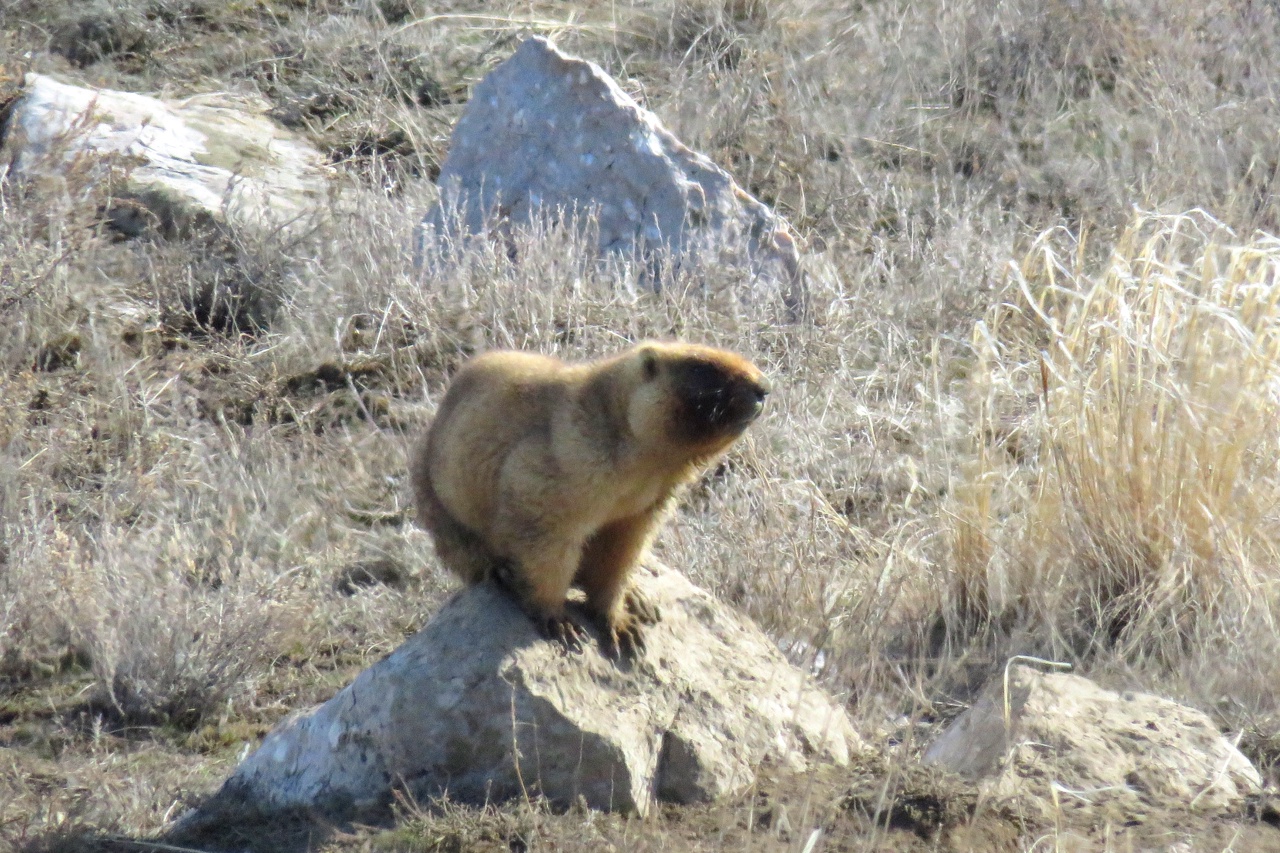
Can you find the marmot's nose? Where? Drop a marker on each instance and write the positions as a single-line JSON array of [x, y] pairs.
[[756, 391]]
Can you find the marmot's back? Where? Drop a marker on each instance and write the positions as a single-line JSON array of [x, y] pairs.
[[493, 403]]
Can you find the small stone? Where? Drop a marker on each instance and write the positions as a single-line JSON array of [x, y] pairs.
[[203, 160], [1070, 741]]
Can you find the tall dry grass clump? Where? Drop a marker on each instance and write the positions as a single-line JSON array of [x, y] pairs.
[[1125, 494]]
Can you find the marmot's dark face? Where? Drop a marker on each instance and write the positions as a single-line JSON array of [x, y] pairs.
[[717, 401], [718, 394]]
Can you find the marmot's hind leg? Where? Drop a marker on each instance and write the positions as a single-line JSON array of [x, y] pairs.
[[540, 585], [462, 552]]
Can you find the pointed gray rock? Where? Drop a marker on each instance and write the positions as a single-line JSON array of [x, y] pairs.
[[551, 135]]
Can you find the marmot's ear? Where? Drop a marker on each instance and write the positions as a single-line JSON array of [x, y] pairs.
[[649, 361]]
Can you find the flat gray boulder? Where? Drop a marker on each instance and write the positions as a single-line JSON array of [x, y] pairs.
[[1055, 742], [551, 135], [208, 158], [478, 706]]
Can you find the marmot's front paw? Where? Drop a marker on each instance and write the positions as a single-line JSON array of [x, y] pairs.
[[563, 629], [624, 634], [641, 608]]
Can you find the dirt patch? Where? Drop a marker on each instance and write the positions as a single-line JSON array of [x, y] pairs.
[[379, 388], [102, 34], [382, 571], [387, 157]]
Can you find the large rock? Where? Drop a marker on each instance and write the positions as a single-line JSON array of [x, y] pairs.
[[1055, 742], [550, 135], [204, 159], [478, 706]]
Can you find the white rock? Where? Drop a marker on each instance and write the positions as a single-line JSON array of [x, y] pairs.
[[546, 134], [1071, 744], [476, 704], [206, 158]]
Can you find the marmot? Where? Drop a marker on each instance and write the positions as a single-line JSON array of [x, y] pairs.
[[543, 475]]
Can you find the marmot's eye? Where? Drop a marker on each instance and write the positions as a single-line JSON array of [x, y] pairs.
[[649, 363]]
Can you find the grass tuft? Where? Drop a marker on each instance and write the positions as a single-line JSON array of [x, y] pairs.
[[1124, 495]]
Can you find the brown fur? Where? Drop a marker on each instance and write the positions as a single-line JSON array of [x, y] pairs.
[[544, 475]]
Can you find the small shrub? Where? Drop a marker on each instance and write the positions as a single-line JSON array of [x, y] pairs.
[[1144, 520], [216, 281], [716, 30]]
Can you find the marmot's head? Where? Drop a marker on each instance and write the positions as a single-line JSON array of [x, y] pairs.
[[693, 397]]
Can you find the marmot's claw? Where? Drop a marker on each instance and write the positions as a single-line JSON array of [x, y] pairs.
[[632, 641], [640, 608], [626, 640], [563, 630]]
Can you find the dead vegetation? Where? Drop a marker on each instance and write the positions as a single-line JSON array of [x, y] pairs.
[[1150, 405], [1033, 410]]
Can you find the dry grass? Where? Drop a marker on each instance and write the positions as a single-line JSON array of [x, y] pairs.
[[1124, 498], [1020, 418]]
